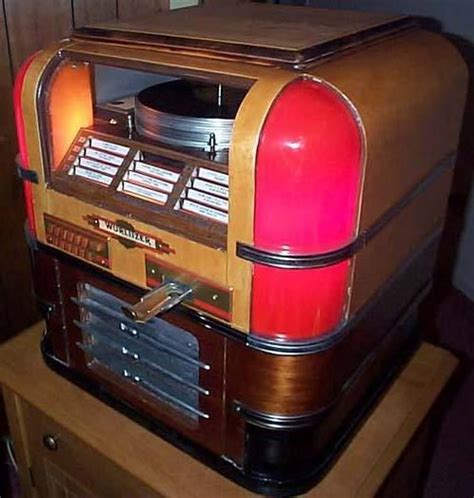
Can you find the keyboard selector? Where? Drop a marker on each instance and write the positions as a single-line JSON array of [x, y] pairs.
[[77, 241]]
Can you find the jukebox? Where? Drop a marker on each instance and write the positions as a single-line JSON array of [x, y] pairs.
[[234, 215]]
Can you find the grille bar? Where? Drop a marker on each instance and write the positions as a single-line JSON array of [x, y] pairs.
[[160, 358], [131, 355], [136, 379], [133, 330]]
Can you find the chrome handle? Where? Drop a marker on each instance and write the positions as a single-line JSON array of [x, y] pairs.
[[157, 301]]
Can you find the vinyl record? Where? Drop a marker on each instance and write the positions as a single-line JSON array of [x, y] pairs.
[[188, 114]]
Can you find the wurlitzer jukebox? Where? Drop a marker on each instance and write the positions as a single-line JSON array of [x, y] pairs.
[[234, 214]]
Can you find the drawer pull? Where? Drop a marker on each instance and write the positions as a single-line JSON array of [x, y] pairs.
[[50, 442]]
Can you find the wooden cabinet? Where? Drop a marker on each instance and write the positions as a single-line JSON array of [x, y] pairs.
[[59, 464], [61, 485], [70, 445]]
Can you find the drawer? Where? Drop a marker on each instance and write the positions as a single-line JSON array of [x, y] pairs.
[[63, 466]]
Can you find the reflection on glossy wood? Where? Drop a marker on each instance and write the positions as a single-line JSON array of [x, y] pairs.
[[423, 106]]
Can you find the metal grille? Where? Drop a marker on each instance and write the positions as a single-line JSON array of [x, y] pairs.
[[157, 356]]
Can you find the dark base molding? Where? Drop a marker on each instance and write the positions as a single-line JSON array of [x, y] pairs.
[[309, 452]]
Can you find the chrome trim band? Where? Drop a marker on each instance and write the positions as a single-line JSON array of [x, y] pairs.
[[306, 261]]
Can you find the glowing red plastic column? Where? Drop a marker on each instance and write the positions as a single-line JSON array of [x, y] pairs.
[[20, 130], [308, 178]]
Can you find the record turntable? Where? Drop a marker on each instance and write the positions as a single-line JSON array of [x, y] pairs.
[[188, 114]]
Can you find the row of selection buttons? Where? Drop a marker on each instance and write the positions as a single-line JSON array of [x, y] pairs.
[[76, 241]]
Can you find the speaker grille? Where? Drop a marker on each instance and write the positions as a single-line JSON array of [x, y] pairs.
[[158, 357]]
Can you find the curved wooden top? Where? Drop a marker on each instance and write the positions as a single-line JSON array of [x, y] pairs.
[[292, 35]]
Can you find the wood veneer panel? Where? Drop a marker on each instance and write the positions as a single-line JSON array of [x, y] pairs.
[[251, 25], [401, 410], [411, 111], [207, 432], [72, 470], [34, 24], [147, 457], [91, 11], [401, 237]]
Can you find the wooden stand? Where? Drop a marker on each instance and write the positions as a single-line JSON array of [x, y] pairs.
[[68, 443]]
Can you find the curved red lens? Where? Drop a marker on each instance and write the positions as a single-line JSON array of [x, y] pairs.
[[308, 180], [21, 137]]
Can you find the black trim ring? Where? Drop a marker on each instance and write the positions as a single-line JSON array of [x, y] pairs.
[[299, 261], [293, 261]]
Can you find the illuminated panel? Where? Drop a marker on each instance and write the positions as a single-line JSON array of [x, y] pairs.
[[92, 176], [213, 176], [207, 195], [69, 106], [156, 172], [308, 179], [120, 150], [97, 166], [208, 200], [211, 188], [148, 181], [103, 156], [143, 192], [95, 160]]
